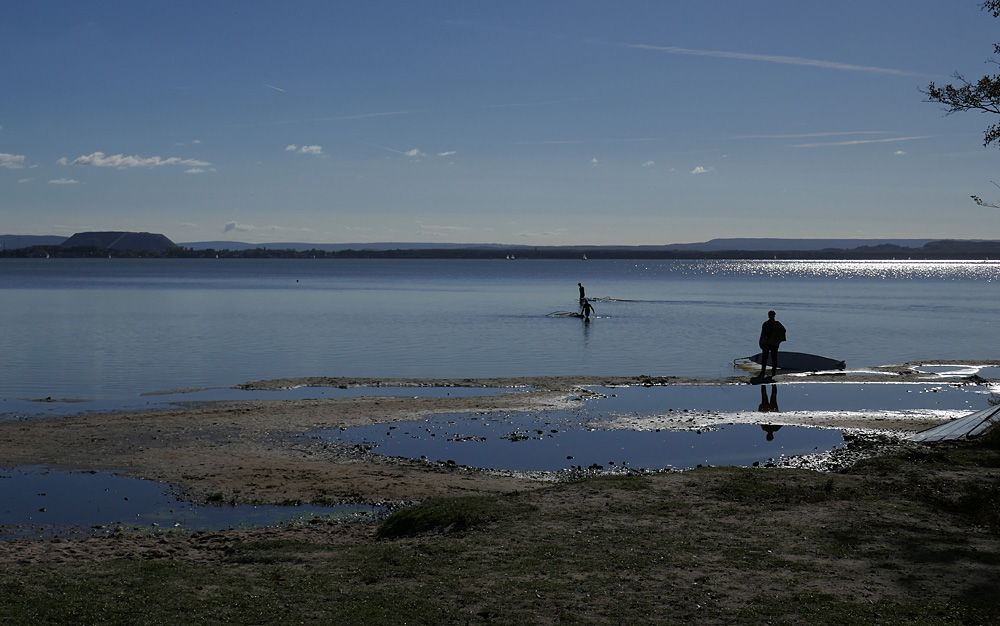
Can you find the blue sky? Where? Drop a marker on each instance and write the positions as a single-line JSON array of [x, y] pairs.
[[536, 122]]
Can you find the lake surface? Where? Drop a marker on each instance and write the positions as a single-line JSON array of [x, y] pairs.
[[107, 330]]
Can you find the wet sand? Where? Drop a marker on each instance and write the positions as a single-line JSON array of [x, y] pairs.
[[252, 452]]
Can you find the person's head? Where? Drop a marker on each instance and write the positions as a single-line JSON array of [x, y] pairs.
[[770, 315], [579, 284]]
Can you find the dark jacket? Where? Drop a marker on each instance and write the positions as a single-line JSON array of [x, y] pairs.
[[772, 333]]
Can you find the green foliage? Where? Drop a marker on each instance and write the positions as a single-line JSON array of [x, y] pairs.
[[979, 95]]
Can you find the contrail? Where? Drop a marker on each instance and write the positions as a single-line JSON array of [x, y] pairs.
[[772, 58]]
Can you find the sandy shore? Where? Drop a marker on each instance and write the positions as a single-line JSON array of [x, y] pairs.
[[250, 451], [253, 452]]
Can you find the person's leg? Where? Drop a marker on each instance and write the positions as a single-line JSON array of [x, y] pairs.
[[774, 361]]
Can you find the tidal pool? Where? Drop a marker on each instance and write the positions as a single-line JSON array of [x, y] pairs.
[[40, 502]]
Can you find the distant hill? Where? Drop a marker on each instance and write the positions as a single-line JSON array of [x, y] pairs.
[[795, 244], [714, 245], [113, 240], [337, 247], [12, 242]]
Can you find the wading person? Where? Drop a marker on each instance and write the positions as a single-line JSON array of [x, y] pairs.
[[772, 333], [587, 310], [583, 292]]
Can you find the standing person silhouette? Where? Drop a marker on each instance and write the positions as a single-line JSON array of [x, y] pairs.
[[772, 333], [583, 292]]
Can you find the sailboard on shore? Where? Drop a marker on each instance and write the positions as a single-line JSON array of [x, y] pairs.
[[792, 362], [968, 427]]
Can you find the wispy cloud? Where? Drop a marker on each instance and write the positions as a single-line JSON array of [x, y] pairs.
[[342, 118], [438, 230], [773, 58], [413, 153], [823, 134], [63, 181], [539, 103], [274, 88], [569, 142], [315, 150], [12, 161], [247, 228], [535, 234], [857, 142], [120, 161]]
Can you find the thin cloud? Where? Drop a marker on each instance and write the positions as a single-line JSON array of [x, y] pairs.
[[649, 164], [315, 150], [562, 142], [540, 103], [274, 88], [858, 142], [414, 153], [120, 161], [12, 161], [246, 228], [440, 230], [341, 118], [64, 181], [803, 135], [448, 153], [534, 234], [773, 58]]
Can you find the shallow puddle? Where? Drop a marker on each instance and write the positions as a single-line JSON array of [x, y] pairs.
[[628, 426], [621, 428], [39, 502], [557, 441], [791, 397]]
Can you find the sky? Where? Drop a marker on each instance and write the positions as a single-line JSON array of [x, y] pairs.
[[556, 122]]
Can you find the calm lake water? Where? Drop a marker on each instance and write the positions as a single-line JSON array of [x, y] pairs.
[[111, 329]]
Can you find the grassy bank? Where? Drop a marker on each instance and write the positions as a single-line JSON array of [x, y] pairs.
[[906, 538]]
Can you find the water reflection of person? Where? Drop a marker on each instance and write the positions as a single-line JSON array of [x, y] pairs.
[[769, 405], [770, 429]]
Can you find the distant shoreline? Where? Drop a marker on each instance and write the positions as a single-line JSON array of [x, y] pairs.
[[963, 250]]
